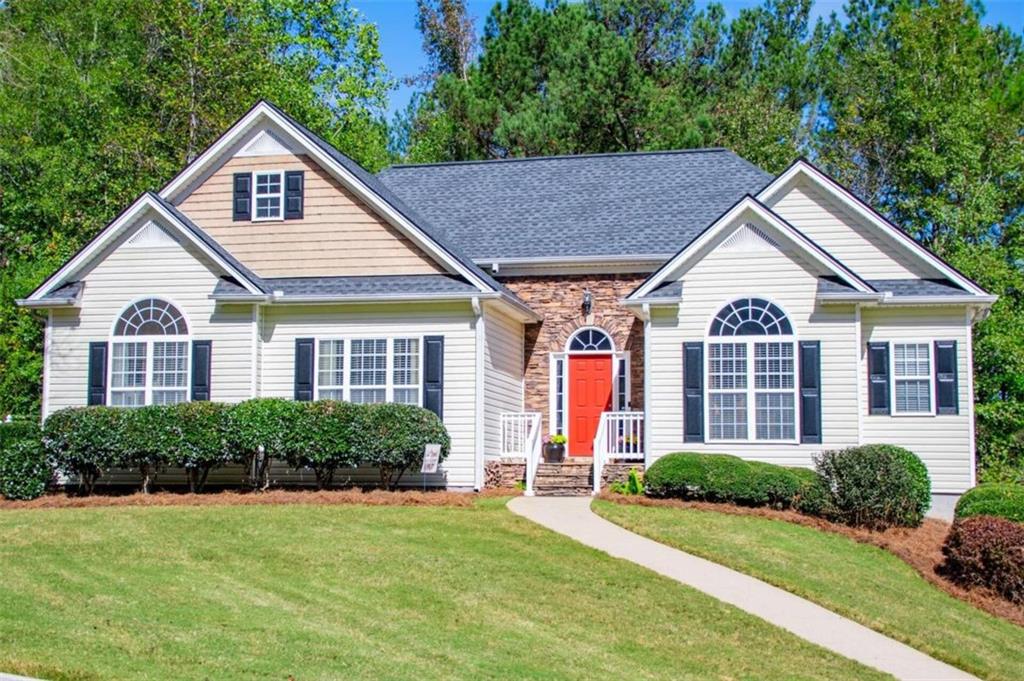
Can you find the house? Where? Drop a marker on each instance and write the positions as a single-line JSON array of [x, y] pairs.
[[638, 303]]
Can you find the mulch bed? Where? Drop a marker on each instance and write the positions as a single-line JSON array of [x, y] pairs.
[[267, 498], [919, 547]]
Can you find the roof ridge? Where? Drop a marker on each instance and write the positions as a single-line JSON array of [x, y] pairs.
[[566, 157]]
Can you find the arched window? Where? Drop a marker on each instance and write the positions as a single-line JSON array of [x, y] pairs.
[[589, 340], [749, 378], [149, 361], [751, 317]]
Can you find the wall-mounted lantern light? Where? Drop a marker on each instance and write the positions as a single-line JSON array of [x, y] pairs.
[[588, 302]]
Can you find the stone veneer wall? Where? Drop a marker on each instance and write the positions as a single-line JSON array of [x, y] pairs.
[[559, 299], [511, 471]]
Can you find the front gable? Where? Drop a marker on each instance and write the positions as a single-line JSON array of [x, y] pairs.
[[337, 235]]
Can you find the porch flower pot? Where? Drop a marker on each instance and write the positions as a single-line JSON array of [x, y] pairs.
[[554, 453]]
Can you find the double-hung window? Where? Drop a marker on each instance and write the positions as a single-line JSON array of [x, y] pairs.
[[268, 198], [751, 381], [368, 370], [149, 356], [912, 378]]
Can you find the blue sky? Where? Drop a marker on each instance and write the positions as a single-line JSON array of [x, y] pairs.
[[400, 41]]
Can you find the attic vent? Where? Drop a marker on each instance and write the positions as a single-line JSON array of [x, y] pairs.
[[750, 239], [151, 236], [265, 143]]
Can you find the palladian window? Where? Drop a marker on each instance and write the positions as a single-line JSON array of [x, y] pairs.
[[149, 355], [751, 380]]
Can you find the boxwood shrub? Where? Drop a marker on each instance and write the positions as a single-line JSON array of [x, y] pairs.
[[813, 496], [259, 430], [876, 486], [1002, 499], [146, 440], [24, 470], [84, 441], [986, 551], [391, 438], [722, 478], [197, 439], [321, 438]]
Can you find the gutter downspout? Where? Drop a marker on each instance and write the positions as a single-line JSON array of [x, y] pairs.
[[479, 327]]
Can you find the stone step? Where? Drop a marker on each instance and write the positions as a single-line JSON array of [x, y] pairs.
[[562, 491]]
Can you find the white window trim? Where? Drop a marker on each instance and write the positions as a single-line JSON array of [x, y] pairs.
[[389, 385], [148, 341], [751, 390], [930, 378], [280, 195]]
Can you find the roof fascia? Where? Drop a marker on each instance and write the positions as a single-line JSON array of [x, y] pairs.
[[849, 199], [749, 203], [111, 231], [382, 207]]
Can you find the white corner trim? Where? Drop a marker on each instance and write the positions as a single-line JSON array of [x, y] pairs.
[[479, 326], [969, 320], [47, 348], [646, 316], [861, 209], [762, 212]]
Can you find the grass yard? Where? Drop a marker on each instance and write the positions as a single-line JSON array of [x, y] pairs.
[[328, 592], [865, 583]]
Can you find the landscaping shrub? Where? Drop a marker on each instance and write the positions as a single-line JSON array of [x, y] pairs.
[[259, 430], [988, 552], [633, 485], [391, 437], [83, 441], [813, 496], [147, 436], [198, 442], [999, 429], [1005, 500], [322, 438], [20, 429], [876, 486], [24, 471], [722, 478]]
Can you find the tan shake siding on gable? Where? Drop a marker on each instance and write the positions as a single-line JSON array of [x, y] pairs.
[[338, 234]]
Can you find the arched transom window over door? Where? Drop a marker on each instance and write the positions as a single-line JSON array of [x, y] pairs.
[[591, 340], [149, 355], [750, 379]]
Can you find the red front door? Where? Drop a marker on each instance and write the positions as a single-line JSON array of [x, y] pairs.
[[590, 393]]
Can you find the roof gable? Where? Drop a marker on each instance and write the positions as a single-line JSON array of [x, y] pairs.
[[883, 231], [744, 227]]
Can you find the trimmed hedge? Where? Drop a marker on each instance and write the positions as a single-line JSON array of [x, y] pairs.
[[985, 551], [200, 436], [1001, 499], [876, 486], [24, 471], [722, 478]]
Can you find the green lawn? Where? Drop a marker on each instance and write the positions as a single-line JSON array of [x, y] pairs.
[[863, 582], [328, 592]]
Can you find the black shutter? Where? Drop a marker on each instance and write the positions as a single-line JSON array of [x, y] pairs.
[[878, 378], [810, 392], [433, 374], [693, 392], [947, 399], [293, 183], [97, 373], [201, 356], [304, 369], [242, 200]]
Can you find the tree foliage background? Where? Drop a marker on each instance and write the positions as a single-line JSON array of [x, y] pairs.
[[915, 104]]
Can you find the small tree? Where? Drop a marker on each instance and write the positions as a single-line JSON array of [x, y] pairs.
[[83, 441], [320, 437], [199, 439], [259, 430], [148, 437], [391, 437]]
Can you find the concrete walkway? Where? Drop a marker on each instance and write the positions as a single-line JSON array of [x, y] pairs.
[[573, 518]]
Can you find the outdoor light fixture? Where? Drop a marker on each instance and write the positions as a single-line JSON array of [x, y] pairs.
[[588, 302]]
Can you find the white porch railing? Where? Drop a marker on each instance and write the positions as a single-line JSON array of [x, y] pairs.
[[520, 436], [620, 435]]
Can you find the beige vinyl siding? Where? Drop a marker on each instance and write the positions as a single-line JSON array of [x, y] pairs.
[[503, 374], [944, 443], [338, 234], [283, 324], [835, 228], [179, 274], [782, 277]]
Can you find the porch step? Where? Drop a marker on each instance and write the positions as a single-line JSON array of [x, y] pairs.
[[570, 479]]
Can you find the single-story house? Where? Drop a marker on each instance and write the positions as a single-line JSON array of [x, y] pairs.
[[638, 303]]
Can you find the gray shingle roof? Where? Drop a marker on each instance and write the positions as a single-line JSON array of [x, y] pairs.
[[898, 288], [357, 287], [69, 290], [650, 203], [673, 289]]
